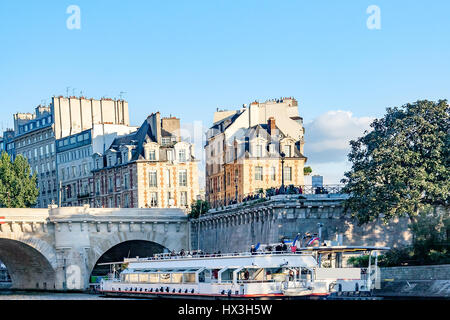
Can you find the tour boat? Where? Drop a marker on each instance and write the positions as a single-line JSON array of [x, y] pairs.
[[252, 275]]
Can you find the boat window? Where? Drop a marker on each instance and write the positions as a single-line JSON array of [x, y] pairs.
[[189, 277], [143, 277], [177, 277], [164, 277], [154, 278], [205, 276], [134, 277]]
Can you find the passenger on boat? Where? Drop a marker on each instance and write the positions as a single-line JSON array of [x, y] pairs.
[[252, 249]]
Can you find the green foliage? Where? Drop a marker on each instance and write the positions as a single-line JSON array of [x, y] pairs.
[[361, 261], [402, 166], [198, 208], [307, 171], [18, 188]]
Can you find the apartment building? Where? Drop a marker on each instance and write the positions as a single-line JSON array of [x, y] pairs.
[[245, 150], [35, 140], [151, 167], [75, 161], [35, 135]]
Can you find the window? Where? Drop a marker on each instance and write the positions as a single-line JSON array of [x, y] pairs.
[[273, 173], [169, 199], [183, 198], [182, 155], [259, 150], [97, 186], [153, 179], [74, 171], [73, 140], [287, 150], [80, 138], [46, 149], [152, 155], [167, 177], [259, 173], [110, 184], [165, 141], [182, 178], [126, 181], [287, 173], [126, 201], [153, 199]]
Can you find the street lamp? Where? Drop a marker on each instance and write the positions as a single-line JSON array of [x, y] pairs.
[[282, 154], [236, 186]]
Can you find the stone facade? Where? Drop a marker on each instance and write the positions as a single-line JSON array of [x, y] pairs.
[[245, 150], [236, 227]]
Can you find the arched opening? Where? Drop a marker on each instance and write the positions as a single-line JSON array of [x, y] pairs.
[[127, 249], [5, 278], [27, 267]]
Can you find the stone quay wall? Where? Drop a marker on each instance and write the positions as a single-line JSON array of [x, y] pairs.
[[435, 272], [237, 227]]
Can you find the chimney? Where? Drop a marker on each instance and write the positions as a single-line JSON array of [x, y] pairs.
[[172, 125], [271, 125]]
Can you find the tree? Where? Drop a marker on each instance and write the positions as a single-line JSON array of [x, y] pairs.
[[402, 166], [307, 171], [18, 188], [198, 208]]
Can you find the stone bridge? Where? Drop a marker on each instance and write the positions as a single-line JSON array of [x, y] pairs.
[[58, 248]]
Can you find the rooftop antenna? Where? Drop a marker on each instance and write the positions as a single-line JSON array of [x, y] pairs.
[[81, 93], [73, 91], [121, 94], [67, 91]]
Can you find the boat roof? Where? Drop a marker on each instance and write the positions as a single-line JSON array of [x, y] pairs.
[[344, 248]]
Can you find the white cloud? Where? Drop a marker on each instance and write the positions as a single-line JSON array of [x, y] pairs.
[[327, 140]]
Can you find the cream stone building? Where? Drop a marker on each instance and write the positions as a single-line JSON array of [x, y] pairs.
[[151, 167], [245, 149]]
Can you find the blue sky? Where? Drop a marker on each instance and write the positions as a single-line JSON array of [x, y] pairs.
[[186, 58]]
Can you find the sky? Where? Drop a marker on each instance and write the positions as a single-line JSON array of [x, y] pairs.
[[187, 58]]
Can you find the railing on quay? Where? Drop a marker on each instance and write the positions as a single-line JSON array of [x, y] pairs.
[[289, 192]]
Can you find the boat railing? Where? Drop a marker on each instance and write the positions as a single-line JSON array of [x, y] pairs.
[[216, 255]]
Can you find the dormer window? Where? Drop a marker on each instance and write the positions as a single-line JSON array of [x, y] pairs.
[[165, 141], [287, 151], [182, 155], [152, 155], [259, 150]]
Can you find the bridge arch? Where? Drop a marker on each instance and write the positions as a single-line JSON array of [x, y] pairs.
[[141, 244], [31, 263]]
